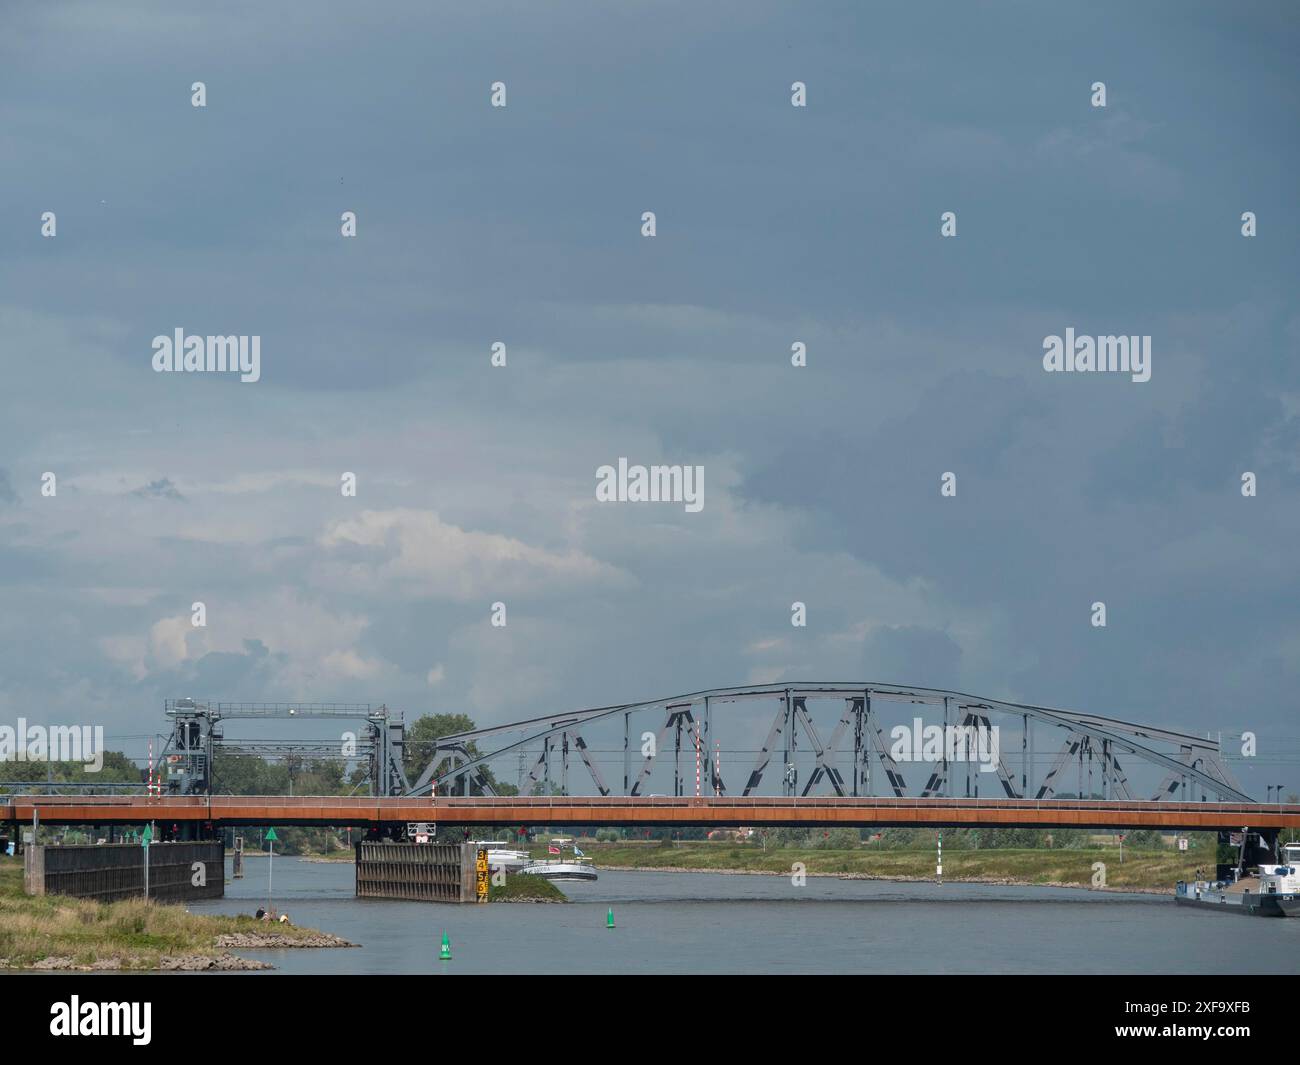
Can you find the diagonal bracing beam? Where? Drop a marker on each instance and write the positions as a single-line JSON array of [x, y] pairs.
[[825, 755], [674, 714], [1068, 750], [1118, 781], [596, 776], [1008, 785], [1173, 779], [892, 772], [765, 755], [531, 782]]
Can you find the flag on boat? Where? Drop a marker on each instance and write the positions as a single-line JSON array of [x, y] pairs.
[[551, 848], [576, 853]]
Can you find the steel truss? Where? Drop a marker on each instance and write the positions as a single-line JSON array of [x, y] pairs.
[[1092, 741]]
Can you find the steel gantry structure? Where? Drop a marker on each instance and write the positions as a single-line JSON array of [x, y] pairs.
[[1102, 749], [197, 734]]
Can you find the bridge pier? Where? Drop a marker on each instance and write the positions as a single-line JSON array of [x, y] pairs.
[[420, 872], [113, 871]]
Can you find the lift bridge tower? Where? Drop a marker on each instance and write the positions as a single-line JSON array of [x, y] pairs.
[[198, 733]]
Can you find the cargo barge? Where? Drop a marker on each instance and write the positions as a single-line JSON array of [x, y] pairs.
[[1274, 893]]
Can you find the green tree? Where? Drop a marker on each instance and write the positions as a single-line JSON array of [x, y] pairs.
[[421, 738], [240, 774], [117, 769]]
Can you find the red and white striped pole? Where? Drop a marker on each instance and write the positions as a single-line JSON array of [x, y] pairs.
[[717, 770], [697, 759]]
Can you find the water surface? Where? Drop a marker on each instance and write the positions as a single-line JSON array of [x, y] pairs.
[[720, 923]]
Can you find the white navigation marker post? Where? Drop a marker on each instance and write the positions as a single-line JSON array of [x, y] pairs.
[[938, 866], [270, 837]]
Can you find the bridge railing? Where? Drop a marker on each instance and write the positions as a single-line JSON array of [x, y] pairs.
[[884, 802], [446, 805], [41, 799]]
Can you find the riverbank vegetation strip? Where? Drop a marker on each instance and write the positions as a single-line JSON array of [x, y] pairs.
[[1136, 871], [57, 931]]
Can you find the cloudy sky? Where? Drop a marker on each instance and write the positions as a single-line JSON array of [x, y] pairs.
[[775, 224]]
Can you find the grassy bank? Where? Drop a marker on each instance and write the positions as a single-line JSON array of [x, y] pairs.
[[55, 931], [526, 889], [1141, 870]]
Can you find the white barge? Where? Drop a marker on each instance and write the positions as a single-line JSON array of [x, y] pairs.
[[579, 867], [1274, 893]]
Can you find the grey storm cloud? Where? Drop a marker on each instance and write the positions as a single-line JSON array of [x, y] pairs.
[[159, 489], [775, 225], [913, 651]]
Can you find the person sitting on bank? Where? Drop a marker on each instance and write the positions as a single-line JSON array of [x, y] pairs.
[[284, 919], [261, 914]]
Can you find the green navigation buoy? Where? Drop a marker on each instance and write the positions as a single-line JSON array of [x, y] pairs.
[[445, 953], [609, 918]]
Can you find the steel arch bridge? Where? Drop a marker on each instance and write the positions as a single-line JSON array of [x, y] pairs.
[[688, 724]]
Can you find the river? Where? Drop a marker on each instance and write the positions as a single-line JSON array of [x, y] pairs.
[[720, 923]]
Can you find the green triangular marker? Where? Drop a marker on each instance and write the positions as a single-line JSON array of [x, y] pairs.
[[271, 836], [146, 837], [445, 953]]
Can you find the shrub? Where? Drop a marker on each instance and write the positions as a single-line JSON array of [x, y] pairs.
[[1147, 839], [839, 839]]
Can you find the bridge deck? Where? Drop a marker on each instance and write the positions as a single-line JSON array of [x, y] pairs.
[[673, 812]]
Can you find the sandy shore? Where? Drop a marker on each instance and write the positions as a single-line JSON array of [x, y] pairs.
[[187, 963], [196, 963], [276, 941]]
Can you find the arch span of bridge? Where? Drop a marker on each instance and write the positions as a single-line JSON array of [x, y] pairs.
[[1111, 745]]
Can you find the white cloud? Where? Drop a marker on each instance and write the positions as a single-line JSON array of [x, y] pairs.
[[416, 554], [169, 642]]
